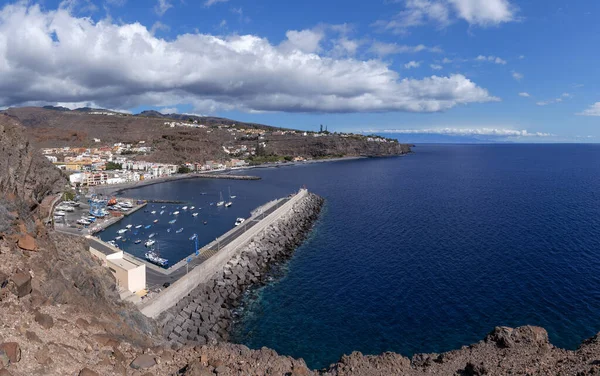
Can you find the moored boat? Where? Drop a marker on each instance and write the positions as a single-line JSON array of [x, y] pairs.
[[150, 243], [239, 221], [154, 258], [179, 231]]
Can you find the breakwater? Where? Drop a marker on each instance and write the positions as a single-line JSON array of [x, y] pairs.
[[204, 315]]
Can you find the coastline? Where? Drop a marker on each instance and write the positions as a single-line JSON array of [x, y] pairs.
[[116, 189]]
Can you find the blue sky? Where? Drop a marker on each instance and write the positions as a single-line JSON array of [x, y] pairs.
[[521, 71]]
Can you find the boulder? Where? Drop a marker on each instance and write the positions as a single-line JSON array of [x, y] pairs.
[[44, 320], [22, 284], [143, 361], [5, 372], [27, 242], [12, 350], [88, 372]]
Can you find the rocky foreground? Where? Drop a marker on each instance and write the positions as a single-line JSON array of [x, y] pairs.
[[60, 313]]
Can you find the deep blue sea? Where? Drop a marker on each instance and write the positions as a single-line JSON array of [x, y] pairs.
[[429, 252]]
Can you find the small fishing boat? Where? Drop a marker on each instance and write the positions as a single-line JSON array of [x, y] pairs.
[[212, 203], [113, 243], [156, 221], [150, 243], [192, 207], [195, 215], [184, 208], [118, 238], [129, 226], [138, 241], [175, 213], [179, 231], [151, 235], [203, 193], [124, 239], [154, 258], [230, 196], [138, 226], [153, 212], [193, 237], [239, 221], [162, 207], [168, 230], [228, 204], [205, 222], [147, 227], [161, 212], [172, 221], [122, 231]]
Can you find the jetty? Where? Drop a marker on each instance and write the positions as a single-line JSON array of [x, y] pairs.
[[186, 276]]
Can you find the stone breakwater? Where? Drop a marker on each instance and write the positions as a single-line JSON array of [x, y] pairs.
[[205, 315]]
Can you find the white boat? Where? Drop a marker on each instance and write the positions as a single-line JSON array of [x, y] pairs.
[[228, 204], [230, 196], [239, 221], [175, 213], [122, 231], [83, 221], [60, 213], [150, 243], [221, 202], [161, 212], [153, 212], [162, 207], [172, 221], [129, 226], [113, 243], [179, 231], [126, 204], [184, 208], [154, 258], [156, 221], [195, 215], [138, 226], [118, 238], [69, 209], [151, 235], [192, 207]]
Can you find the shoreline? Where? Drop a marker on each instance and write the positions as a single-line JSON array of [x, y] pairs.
[[117, 189]]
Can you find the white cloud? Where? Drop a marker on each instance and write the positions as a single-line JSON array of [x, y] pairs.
[[158, 26], [162, 7], [555, 100], [517, 76], [444, 12], [484, 12], [168, 110], [593, 110], [447, 61], [525, 95], [492, 59], [500, 132], [435, 66], [41, 61], [303, 40], [382, 49], [208, 3], [412, 64]]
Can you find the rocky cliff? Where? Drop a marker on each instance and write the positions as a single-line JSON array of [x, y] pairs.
[[60, 313]]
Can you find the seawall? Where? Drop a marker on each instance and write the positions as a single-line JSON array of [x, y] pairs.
[[204, 315]]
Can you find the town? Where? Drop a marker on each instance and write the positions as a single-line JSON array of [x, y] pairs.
[[125, 162]]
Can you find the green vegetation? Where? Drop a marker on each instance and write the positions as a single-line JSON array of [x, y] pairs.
[[113, 166], [260, 159], [68, 196], [183, 170], [288, 158]]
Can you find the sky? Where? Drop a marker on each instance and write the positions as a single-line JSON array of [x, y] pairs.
[[506, 70]]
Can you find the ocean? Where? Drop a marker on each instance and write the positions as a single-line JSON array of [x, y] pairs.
[[422, 253]]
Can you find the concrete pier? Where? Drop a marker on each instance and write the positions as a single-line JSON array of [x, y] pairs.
[[216, 261]]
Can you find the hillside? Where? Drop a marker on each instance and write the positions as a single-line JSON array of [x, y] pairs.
[[61, 313], [57, 127]]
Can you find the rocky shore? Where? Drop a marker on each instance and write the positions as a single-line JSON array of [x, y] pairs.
[[205, 315]]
